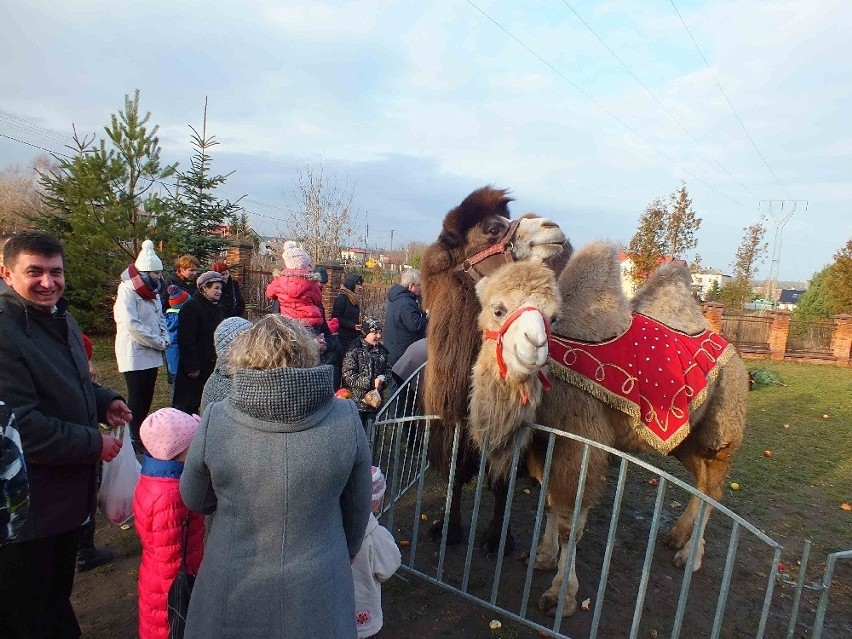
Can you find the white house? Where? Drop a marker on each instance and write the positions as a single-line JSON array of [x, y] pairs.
[[704, 279]]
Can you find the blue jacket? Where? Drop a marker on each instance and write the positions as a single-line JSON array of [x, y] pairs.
[[405, 322], [172, 350]]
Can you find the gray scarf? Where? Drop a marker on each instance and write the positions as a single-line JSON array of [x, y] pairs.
[[284, 395]]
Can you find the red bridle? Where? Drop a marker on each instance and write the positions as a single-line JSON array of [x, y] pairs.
[[476, 266], [498, 337]]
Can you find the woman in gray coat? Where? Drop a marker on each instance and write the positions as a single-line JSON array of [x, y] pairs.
[[284, 467]]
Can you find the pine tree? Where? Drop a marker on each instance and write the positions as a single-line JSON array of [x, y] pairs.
[[818, 302], [103, 203], [197, 217], [839, 280]]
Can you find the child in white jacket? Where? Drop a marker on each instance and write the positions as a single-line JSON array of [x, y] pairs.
[[375, 563]]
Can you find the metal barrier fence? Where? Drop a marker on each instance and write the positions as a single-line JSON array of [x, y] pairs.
[[624, 578]]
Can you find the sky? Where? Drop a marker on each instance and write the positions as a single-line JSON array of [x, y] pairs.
[[586, 110]]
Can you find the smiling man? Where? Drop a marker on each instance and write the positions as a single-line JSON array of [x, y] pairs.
[[44, 379]]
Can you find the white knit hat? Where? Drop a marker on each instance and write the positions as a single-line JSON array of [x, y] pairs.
[[295, 258], [148, 259]]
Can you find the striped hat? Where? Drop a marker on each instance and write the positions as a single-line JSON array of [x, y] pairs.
[[177, 296]]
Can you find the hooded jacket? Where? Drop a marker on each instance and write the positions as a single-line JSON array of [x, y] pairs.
[[45, 381], [299, 297], [141, 336], [159, 513], [276, 561], [405, 323], [347, 309]]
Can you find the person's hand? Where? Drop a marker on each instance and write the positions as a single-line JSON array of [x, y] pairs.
[[194, 374], [357, 327], [109, 447], [379, 381], [117, 413]]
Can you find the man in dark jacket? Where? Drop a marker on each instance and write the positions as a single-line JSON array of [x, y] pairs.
[[405, 321], [199, 318], [45, 380]]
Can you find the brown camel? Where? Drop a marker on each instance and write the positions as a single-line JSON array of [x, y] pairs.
[[593, 310], [451, 265]]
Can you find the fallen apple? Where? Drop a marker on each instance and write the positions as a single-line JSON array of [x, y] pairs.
[[845, 506], [767, 453], [780, 566], [495, 625], [735, 485], [653, 481], [826, 416]]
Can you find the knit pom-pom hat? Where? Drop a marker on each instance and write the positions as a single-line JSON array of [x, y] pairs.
[[378, 487], [370, 325], [168, 432], [177, 296], [148, 259], [225, 333], [295, 258]]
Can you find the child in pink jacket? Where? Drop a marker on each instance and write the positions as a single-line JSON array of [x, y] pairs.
[[159, 514], [297, 288]]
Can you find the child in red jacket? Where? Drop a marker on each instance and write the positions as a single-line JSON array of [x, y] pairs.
[[297, 288], [159, 513]]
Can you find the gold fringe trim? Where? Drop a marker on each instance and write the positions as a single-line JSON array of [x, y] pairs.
[[630, 409]]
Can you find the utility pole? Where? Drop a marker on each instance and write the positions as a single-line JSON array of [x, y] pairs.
[[780, 211]]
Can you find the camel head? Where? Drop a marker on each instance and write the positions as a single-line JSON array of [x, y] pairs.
[[519, 301]]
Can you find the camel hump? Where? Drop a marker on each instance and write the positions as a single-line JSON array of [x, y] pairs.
[[667, 297], [595, 264]]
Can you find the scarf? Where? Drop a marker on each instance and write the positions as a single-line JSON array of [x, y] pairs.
[[142, 284], [353, 298]]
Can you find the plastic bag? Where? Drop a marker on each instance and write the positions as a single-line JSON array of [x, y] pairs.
[[373, 398], [118, 485]]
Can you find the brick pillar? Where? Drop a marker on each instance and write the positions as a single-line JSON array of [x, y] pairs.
[[713, 314], [778, 330], [240, 253], [841, 339], [330, 290]]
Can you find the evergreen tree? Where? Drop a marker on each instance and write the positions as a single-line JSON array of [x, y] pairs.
[[197, 218], [817, 303], [103, 203]]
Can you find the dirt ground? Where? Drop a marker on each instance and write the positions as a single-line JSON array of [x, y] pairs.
[[105, 599]]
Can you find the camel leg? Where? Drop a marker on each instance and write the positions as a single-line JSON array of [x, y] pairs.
[[491, 537], [455, 531], [548, 549], [549, 600], [710, 474]]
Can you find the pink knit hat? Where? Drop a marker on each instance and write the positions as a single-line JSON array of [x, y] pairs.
[[168, 432], [295, 258], [378, 487]]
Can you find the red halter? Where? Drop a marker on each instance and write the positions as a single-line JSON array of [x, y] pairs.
[[498, 337], [475, 266]]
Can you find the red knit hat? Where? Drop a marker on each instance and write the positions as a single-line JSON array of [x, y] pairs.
[[219, 267], [88, 346]]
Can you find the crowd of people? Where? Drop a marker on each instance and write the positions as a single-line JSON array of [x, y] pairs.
[[257, 479]]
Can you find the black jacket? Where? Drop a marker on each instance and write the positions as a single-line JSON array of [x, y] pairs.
[[44, 379], [405, 323], [362, 364], [232, 302], [199, 318], [349, 315]]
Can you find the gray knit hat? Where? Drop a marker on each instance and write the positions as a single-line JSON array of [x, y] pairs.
[[225, 333]]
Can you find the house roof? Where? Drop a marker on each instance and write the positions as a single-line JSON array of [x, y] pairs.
[[790, 296]]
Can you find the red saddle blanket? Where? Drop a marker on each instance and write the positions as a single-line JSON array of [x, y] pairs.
[[651, 372]]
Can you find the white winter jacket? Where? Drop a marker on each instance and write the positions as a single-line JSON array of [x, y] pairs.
[[141, 337], [376, 562]]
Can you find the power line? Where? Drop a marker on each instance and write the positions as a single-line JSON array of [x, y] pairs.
[[654, 97], [730, 104], [603, 108]]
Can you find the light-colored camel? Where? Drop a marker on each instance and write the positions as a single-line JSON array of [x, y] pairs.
[[589, 306]]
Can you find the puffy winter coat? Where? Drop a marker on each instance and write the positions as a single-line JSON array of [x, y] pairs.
[[362, 364], [159, 513], [141, 336], [405, 322], [299, 297]]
